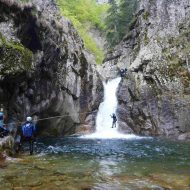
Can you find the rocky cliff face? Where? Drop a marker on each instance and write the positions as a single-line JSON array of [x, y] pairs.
[[154, 97], [45, 69]]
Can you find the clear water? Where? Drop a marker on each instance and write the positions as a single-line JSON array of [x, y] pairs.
[[75, 163]]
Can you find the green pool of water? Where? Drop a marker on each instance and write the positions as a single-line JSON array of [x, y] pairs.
[[74, 163]]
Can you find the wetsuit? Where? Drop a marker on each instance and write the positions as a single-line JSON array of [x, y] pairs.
[[28, 133], [114, 120]]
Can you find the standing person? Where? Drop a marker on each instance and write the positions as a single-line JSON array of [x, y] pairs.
[[28, 133], [113, 116], [3, 130]]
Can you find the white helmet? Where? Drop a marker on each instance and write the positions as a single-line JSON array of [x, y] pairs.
[[28, 119]]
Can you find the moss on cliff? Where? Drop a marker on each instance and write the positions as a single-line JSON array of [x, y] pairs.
[[146, 15], [146, 39], [176, 56], [14, 58]]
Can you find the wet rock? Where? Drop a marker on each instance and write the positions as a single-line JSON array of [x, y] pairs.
[[7, 145], [183, 137], [85, 129]]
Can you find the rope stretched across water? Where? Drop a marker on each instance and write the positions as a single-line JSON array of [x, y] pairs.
[[53, 117], [65, 115]]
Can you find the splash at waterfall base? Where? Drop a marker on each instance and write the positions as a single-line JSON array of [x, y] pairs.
[[106, 109]]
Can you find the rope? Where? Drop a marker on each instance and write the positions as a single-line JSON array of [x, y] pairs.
[[47, 118], [60, 116]]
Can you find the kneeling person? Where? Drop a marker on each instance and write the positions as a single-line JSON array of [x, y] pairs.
[[28, 132]]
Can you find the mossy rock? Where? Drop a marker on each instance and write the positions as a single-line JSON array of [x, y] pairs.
[[146, 39], [146, 15], [176, 64], [15, 58]]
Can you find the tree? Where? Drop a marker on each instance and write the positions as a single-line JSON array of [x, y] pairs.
[[127, 9], [112, 25], [120, 15], [86, 15]]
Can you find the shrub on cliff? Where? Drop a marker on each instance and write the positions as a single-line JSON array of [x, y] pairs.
[[119, 19], [86, 15]]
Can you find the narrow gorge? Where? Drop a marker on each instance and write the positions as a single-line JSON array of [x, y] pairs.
[[94, 94], [46, 70]]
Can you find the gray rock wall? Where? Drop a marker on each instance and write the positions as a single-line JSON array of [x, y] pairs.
[[60, 80], [154, 96]]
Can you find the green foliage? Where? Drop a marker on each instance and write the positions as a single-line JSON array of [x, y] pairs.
[[112, 24], [146, 39], [176, 56], [119, 20], [146, 15], [85, 15], [127, 9], [23, 1], [2, 39]]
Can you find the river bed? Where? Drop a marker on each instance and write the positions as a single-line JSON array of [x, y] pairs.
[[110, 164]]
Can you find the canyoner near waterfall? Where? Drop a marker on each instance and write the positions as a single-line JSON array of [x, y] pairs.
[[113, 116], [107, 84]]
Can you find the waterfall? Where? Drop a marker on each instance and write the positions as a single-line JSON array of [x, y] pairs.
[[106, 109]]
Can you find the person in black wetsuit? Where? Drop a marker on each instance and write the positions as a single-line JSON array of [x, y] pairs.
[[113, 116]]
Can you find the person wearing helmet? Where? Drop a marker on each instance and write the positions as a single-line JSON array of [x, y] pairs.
[[28, 132]]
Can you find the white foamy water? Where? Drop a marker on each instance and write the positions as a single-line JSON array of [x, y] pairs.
[[106, 109]]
